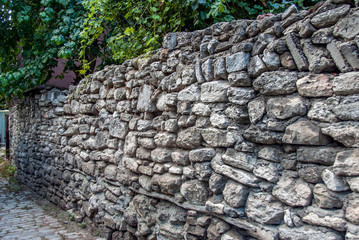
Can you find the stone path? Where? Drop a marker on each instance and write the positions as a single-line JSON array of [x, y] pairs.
[[22, 218]]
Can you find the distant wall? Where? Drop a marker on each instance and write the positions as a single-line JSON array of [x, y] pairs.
[[243, 130]]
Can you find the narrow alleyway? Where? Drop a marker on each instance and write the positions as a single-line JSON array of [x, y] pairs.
[[21, 217]]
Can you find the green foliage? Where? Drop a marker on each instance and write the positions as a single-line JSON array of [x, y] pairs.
[[35, 34]]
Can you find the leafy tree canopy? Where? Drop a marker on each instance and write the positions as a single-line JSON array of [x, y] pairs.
[[34, 34]]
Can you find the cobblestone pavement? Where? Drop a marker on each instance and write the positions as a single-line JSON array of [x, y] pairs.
[[22, 218]]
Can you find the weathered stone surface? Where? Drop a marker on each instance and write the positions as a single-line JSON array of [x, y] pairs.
[[347, 83], [325, 198], [144, 103], [195, 192], [286, 107], [238, 114], [329, 17], [325, 218], [190, 94], [287, 61], [296, 51], [161, 155], [323, 36], [276, 83], [220, 71], [292, 191], [240, 79], [334, 182], [201, 109], [219, 120], [256, 109], [337, 56], [352, 232], [237, 175], [345, 108], [310, 173], [202, 155], [165, 139], [264, 208], [352, 210], [168, 182], [321, 155], [240, 96], [311, 233], [269, 171], [231, 235], [239, 160], [345, 132], [273, 154], [217, 183], [214, 91], [237, 61], [353, 183], [318, 58], [189, 138], [256, 66], [235, 194], [208, 71], [347, 163], [351, 54], [304, 132], [180, 157], [347, 27], [271, 60], [315, 86], [257, 135], [218, 138], [321, 111]]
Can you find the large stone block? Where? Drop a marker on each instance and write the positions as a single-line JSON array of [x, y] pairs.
[[144, 103], [330, 17], [346, 133], [286, 107], [347, 83], [214, 91], [189, 138], [315, 86], [276, 83], [347, 163], [235, 194], [195, 192], [348, 27], [237, 61]]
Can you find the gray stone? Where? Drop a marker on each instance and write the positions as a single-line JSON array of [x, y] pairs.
[[237, 175], [219, 120], [207, 69], [232, 235], [147, 143], [286, 107], [238, 114], [202, 155], [253, 29], [217, 182], [187, 121], [188, 76], [167, 182], [111, 172], [195, 192], [203, 171], [321, 155], [276, 83], [315, 85], [322, 111], [289, 11], [239, 160], [351, 54], [220, 72], [311, 233], [240, 79], [334, 182], [256, 66], [264, 208], [296, 51], [346, 133], [180, 157], [325, 218], [337, 56], [306, 29], [237, 62], [258, 135], [310, 173], [347, 83], [353, 183], [347, 27], [190, 94], [325, 198], [214, 91], [235, 194], [352, 230], [318, 57], [292, 191], [345, 108], [143, 153], [323, 36], [144, 103], [287, 61], [271, 59], [161, 155], [189, 138], [347, 163], [240, 96], [273, 154], [269, 171], [131, 144], [201, 109], [304, 132], [198, 71], [256, 109], [170, 41], [218, 138], [171, 125], [352, 210], [329, 17], [165, 139], [212, 45]]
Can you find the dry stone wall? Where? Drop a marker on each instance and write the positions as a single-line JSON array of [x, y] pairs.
[[243, 130]]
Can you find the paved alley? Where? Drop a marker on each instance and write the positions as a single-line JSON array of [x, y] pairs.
[[22, 218]]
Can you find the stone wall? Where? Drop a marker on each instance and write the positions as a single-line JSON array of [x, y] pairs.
[[244, 130]]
